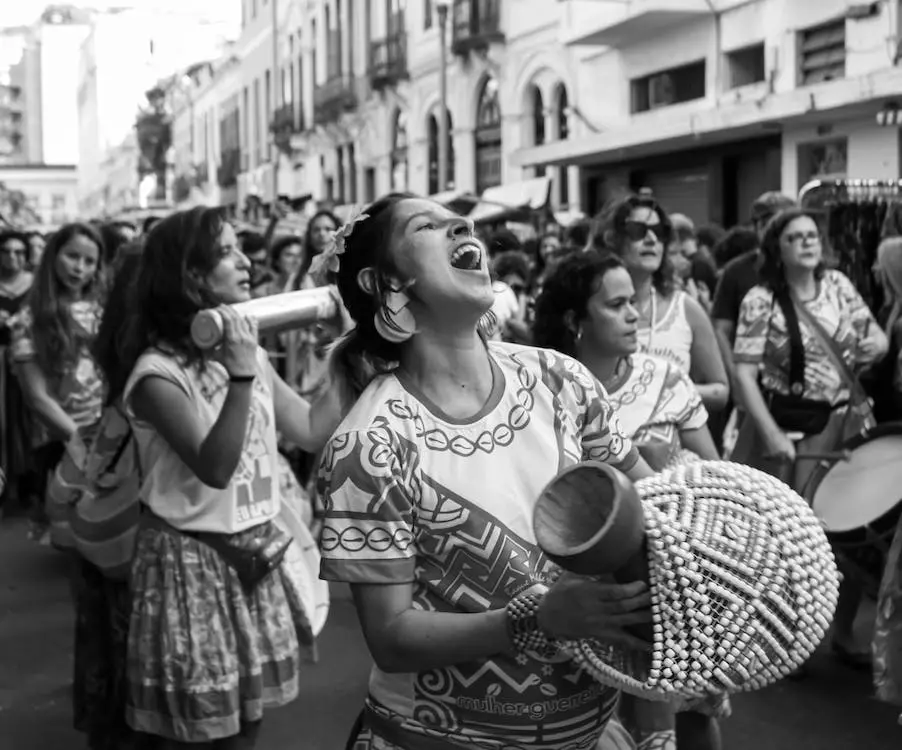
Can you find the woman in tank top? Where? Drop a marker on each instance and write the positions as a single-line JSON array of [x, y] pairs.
[[672, 325]]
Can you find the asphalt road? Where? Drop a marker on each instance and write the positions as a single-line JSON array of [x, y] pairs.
[[830, 710]]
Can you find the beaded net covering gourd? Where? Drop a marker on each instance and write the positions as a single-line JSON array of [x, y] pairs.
[[743, 584]]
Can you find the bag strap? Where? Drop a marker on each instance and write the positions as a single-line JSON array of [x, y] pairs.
[[827, 343], [796, 345]]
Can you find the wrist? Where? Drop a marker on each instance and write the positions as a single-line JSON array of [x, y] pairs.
[[524, 630]]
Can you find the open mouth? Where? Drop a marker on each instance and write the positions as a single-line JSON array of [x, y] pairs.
[[467, 258]]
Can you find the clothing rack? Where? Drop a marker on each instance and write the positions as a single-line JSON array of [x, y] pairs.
[[849, 191], [855, 216]]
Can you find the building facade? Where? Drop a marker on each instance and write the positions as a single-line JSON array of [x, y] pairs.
[[707, 103], [710, 102], [49, 191], [127, 52]]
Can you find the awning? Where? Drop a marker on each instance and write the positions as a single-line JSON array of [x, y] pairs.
[[511, 201]]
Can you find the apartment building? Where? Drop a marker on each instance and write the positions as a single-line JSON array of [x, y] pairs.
[[706, 102], [709, 102]]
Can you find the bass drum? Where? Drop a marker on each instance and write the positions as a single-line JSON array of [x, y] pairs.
[[858, 498]]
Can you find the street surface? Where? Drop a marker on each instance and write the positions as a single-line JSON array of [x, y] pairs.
[[830, 710]]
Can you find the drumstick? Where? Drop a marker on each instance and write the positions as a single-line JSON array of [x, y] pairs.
[[826, 456]]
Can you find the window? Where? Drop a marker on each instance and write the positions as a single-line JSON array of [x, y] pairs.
[[822, 53], [434, 186], [258, 136], [330, 189], [314, 46], [669, 87], [340, 160], [369, 185], [58, 202], [823, 160], [538, 124], [245, 130], [746, 66], [399, 168], [300, 90], [427, 14], [562, 105], [253, 9], [488, 137]]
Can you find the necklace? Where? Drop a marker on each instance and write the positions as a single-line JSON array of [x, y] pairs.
[[619, 376]]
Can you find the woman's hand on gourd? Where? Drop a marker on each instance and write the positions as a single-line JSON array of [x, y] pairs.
[[580, 607], [780, 446], [238, 352]]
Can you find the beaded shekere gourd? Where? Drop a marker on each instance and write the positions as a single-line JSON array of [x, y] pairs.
[[743, 584]]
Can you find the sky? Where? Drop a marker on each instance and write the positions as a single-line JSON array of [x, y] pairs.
[[23, 12]]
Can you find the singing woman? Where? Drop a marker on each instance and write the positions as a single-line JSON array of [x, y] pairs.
[[429, 486]]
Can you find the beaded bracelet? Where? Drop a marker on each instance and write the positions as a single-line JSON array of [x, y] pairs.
[[523, 625]]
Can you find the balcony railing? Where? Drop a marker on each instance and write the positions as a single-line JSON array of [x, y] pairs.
[[476, 25], [229, 167], [332, 99], [388, 61]]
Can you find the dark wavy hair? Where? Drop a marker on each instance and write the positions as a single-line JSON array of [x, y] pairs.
[[279, 247], [362, 353], [57, 338], [609, 234], [771, 271], [309, 251], [565, 298], [169, 290], [14, 234], [124, 274]]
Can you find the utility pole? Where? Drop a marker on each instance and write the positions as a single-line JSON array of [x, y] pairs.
[[277, 105]]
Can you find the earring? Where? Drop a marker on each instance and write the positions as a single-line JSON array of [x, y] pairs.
[[394, 319]]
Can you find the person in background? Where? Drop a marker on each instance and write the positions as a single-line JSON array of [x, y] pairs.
[[707, 237], [672, 324], [318, 236], [114, 236], [36, 244], [576, 236], [587, 311], [693, 268], [884, 382], [503, 241], [212, 643], [793, 274], [128, 230], [737, 242], [741, 274], [286, 259], [253, 245], [513, 268], [51, 340], [15, 420]]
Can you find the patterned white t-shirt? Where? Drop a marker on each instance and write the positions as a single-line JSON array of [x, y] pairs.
[[173, 491], [414, 496]]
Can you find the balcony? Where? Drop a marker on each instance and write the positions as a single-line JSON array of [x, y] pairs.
[[475, 25], [388, 61], [229, 167], [333, 98], [615, 23]]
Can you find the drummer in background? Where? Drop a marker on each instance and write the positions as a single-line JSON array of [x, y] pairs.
[[793, 261], [884, 385]]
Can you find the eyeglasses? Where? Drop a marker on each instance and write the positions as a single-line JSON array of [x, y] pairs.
[[638, 230], [808, 238]]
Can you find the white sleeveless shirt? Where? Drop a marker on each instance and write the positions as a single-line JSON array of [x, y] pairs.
[[670, 337]]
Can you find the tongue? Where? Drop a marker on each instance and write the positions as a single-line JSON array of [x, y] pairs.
[[467, 261]]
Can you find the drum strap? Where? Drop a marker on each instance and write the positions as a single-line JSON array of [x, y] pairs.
[[796, 345]]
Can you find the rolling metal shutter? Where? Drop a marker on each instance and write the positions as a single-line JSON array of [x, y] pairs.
[[681, 192]]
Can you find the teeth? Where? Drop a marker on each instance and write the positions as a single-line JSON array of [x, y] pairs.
[[464, 250]]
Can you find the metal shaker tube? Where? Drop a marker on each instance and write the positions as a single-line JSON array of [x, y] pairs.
[[273, 313]]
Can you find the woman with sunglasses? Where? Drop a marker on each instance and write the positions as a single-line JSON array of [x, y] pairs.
[[799, 402], [672, 325]]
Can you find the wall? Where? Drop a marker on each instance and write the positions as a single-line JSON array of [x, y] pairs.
[[59, 53], [51, 190]]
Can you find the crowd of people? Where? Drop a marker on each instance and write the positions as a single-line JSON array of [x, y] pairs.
[[413, 433]]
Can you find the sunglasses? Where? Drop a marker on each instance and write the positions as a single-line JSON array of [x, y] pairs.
[[638, 230]]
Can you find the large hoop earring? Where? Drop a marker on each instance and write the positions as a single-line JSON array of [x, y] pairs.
[[394, 319]]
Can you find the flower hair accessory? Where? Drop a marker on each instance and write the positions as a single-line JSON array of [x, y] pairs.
[[329, 260]]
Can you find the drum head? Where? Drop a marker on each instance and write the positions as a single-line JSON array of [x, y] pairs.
[[863, 488]]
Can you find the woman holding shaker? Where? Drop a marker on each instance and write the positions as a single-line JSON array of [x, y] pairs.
[[215, 630], [429, 487]]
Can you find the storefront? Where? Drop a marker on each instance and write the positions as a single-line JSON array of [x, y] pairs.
[[715, 184]]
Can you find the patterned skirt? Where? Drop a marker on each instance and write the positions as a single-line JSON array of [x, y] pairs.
[[887, 645], [205, 655]]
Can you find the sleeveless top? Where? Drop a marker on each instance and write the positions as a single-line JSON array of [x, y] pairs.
[[670, 337]]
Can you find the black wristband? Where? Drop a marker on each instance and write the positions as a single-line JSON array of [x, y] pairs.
[[242, 378]]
